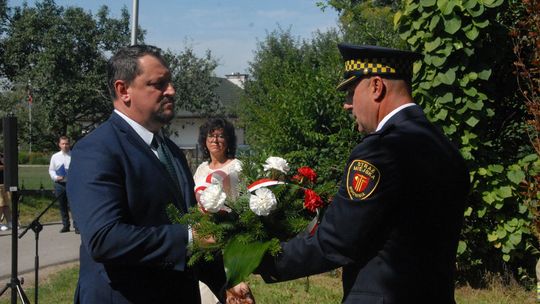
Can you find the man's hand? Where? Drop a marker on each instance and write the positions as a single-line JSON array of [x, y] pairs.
[[240, 294], [59, 178]]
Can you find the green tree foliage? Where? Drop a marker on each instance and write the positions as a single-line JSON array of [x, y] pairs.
[[3, 15], [465, 85], [194, 81], [292, 108], [526, 43], [58, 55], [368, 22]]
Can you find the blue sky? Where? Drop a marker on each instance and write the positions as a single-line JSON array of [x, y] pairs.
[[230, 29]]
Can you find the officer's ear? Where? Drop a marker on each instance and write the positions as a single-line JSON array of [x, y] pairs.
[[121, 90], [377, 88]]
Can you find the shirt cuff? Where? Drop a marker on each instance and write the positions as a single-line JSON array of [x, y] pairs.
[[190, 242]]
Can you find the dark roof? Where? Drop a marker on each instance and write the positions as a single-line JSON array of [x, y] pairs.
[[228, 93]]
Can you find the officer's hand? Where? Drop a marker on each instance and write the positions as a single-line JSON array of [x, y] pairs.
[[240, 294]]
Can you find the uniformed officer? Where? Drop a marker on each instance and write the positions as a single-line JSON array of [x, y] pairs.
[[394, 224]]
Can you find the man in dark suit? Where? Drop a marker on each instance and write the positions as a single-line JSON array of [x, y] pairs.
[[122, 178], [394, 224]]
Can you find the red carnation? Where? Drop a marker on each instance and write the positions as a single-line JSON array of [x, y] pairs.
[[312, 200], [297, 178], [308, 173]]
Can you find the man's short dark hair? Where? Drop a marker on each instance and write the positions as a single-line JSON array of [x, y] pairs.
[[228, 131], [63, 137], [124, 65]]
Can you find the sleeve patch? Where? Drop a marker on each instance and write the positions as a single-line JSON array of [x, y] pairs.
[[362, 179]]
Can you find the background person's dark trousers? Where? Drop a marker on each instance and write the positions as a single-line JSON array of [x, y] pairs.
[[59, 191]]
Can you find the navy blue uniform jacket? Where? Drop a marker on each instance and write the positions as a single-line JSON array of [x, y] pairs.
[[396, 233], [130, 253]]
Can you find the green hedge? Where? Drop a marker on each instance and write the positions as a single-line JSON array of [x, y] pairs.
[[34, 158], [466, 85]]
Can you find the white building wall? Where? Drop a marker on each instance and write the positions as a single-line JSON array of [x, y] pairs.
[[237, 78], [185, 132]]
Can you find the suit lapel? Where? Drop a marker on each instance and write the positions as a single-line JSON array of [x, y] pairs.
[[139, 144]]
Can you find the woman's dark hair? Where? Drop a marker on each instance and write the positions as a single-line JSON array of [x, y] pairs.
[[228, 131]]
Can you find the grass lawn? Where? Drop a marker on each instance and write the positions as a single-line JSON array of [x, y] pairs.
[[31, 207], [33, 177], [324, 288], [57, 288]]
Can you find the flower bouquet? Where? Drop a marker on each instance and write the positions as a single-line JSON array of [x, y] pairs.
[[272, 206]]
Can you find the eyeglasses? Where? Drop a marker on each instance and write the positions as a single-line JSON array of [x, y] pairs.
[[219, 137]]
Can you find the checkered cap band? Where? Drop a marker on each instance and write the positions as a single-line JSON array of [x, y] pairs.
[[378, 66]]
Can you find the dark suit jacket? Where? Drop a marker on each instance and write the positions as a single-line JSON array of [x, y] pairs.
[[395, 235], [130, 253]]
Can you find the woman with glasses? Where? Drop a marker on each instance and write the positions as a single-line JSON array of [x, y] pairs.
[[218, 144]]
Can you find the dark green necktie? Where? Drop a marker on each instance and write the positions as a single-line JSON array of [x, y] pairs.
[[165, 157]]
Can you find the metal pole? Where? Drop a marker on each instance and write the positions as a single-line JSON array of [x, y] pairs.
[[30, 101], [9, 124], [11, 182], [30, 119], [36, 267], [14, 244], [135, 22]]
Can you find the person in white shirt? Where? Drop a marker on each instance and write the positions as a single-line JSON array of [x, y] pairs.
[[217, 140], [58, 170]]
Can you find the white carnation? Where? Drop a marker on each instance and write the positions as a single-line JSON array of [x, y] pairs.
[[213, 198], [276, 163], [262, 202]]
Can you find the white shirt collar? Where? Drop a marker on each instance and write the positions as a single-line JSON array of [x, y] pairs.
[[394, 112], [146, 135]]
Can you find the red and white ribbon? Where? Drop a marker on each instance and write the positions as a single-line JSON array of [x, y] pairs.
[[264, 182], [314, 224], [217, 175]]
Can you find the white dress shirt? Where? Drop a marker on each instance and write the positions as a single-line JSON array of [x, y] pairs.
[[58, 160], [144, 133]]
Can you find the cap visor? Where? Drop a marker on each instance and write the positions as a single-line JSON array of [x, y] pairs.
[[345, 84]]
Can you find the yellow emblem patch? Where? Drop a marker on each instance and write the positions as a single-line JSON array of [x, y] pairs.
[[362, 179]]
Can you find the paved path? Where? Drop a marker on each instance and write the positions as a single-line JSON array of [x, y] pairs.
[[54, 248]]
